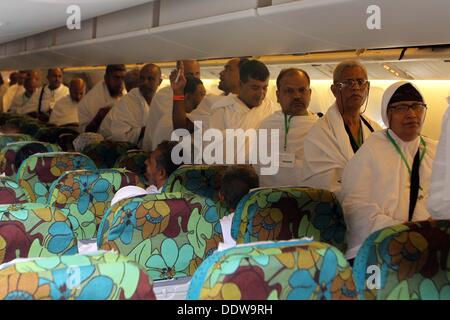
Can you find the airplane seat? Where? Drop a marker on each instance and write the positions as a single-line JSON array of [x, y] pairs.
[[13, 137], [85, 195], [11, 192], [409, 261], [203, 180], [9, 152], [51, 134], [134, 160], [285, 270], [286, 213], [105, 153], [98, 276], [39, 171], [167, 234], [34, 230]]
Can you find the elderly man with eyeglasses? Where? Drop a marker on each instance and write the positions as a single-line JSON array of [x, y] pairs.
[[387, 181], [335, 137]]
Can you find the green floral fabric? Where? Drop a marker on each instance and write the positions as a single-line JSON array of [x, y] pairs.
[[100, 276], [39, 171], [409, 261], [289, 213], [8, 138], [291, 270], [34, 230], [11, 192], [169, 236], [8, 155], [85, 195]]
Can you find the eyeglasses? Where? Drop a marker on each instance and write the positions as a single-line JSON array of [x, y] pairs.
[[403, 108], [349, 83]]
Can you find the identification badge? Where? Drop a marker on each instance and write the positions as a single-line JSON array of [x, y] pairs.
[[287, 160]]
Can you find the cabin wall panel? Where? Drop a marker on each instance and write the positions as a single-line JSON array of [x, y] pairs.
[[66, 36], [40, 41], [15, 47]]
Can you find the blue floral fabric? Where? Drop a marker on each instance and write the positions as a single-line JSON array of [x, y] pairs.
[[290, 270], [409, 261], [99, 276], [289, 213], [169, 235], [84, 196], [39, 171], [34, 230]]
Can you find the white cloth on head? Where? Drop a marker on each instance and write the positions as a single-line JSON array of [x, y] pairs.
[[64, 112], [50, 97], [152, 189], [375, 187], [98, 97], [127, 192], [327, 150], [439, 201], [298, 129], [8, 98], [225, 224], [85, 139], [125, 121]]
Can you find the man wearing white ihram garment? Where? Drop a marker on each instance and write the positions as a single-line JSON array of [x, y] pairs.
[[335, 138], [65, 111], [96, 104], [387, 182], [293, 123], [439, 200], [52, 92], [16, 80], [26, 101], [126, 121]]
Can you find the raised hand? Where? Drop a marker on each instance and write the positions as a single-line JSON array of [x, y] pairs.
[[177, 79]]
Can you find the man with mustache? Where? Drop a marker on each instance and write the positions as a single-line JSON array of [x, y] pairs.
[[293, 123], [96, 104], [127, 120], [387, 182], [335, 138]]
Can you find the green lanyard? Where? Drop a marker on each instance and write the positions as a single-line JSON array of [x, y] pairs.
[[399, 151], [287, 124]]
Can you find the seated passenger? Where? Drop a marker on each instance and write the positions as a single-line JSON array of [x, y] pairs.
[[85, 139], [335, 137], [293, 123], [236, 182], [65, 111], [96, 104], [194, 92], [127, 120], [439, 201], [26, 151], [387, 181], [127, 192], [160, 166]]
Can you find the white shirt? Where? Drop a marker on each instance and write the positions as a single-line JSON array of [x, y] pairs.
[[8, 98], [125, 121], [3, 90], [22, 104], [98, 97], [327, 149], [376, 187], [50, 97], [439, 201], [298, 129], [64, 112]]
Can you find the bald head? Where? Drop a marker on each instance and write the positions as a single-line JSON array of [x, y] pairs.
[[131, 79], [191, 68], [54, 77], [150, 79], [77, 88]]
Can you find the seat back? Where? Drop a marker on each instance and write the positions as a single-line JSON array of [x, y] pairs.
[[289, 213], [134, 160], [11, 192], [99, 276], [168, 235], [34, 230], [203, 180], [285, 270], [9, 152], [85, 195], [409, 261], [13, 137], [39, 171], [105, 153]]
